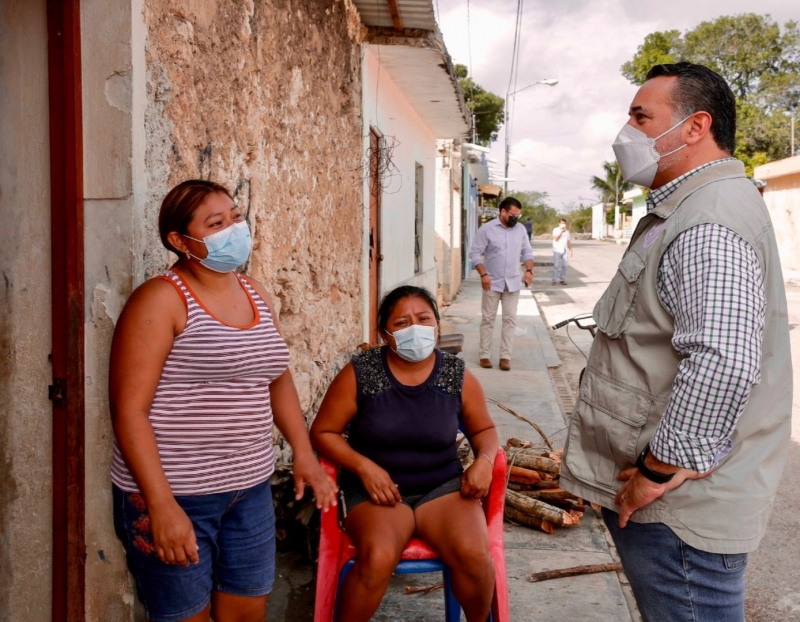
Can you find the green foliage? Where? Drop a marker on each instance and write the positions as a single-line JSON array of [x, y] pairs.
[[606, 186], [535, 208], [487, 107], [579, 219], [658, 48], [759, 60]]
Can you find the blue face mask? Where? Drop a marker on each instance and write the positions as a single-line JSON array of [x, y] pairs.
[[415, 343], [227, 249]]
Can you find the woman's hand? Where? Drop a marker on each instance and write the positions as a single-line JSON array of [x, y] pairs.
[[173, 535], [307, 471], [379, 485], [476, 479]]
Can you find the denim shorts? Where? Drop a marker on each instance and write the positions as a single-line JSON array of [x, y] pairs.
[[235, 533]]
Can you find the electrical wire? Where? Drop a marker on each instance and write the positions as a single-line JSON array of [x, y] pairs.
[[514, 71]]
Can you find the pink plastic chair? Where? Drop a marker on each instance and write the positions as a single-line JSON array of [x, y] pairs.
[[337, 555]]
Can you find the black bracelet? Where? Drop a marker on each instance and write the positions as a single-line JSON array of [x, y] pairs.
[[653, 476]]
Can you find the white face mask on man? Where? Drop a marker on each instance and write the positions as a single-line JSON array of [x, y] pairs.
[[637, 155]]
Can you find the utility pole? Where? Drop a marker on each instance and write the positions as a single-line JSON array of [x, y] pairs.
[[474, 134], [508, 148]]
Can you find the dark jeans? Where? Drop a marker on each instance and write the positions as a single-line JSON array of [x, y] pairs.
[[674, 582]]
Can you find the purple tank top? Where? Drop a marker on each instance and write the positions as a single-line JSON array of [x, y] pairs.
[[409, 431]]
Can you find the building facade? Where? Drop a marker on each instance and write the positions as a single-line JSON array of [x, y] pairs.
[[104, 106]]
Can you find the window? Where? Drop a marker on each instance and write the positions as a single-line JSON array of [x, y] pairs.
[[418, 216]]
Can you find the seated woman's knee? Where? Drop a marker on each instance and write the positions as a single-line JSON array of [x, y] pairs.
[[473, 558], [376, 563]]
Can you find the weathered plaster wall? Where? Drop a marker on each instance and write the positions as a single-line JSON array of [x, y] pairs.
[[112, 57], [265, 98], [25, 411], [387, 109]]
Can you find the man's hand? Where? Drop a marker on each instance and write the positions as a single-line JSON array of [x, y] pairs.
[[527, 278], [638, 491], [486, 282]]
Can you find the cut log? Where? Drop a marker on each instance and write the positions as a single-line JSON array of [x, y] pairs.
[[515, 442], [524, 476], [534, 507], [529, 460], [554, 494], [574, 572], [529, 521]]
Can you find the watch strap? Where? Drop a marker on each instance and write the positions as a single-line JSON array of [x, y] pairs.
[[653, 476]]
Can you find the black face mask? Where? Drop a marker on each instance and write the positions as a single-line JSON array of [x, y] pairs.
[[512, 221]]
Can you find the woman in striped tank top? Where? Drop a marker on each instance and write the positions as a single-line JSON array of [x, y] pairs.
[[199, 374]]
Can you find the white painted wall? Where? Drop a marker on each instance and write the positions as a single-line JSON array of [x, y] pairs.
[[386, 109], [598, 222]]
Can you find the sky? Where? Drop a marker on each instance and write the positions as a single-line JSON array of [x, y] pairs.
[[562, 134]]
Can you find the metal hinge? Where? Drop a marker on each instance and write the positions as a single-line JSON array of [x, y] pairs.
[[58, 392]]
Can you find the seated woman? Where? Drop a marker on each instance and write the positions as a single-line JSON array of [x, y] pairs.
[[401, 475]]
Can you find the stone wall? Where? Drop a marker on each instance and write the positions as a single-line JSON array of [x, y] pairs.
[[264, 97]]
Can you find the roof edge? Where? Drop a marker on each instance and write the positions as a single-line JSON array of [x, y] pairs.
[[423, 39]]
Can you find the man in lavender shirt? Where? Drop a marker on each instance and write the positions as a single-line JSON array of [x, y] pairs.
[[499, 247]]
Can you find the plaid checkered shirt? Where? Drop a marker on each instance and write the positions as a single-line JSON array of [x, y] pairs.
[[710, 281]]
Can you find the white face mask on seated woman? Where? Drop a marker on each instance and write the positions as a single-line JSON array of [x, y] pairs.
[[415, 343]]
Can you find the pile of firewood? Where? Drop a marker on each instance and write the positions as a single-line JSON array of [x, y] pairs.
[[533, 495]]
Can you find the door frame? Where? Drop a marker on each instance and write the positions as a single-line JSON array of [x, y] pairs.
[[67, 356]]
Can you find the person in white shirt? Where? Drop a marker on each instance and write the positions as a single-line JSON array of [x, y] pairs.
[[562, 244]]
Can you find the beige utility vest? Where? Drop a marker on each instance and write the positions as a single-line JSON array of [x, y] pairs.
[[632, 367]]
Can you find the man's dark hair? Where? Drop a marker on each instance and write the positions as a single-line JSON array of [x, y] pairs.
[[509, 202], [391, 299], [564, 220], [700, 89]]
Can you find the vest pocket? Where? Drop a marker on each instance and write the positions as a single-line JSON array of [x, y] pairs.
[[605, 430], [614, 310]]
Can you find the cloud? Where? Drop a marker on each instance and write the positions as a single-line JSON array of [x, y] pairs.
[[564, 133]]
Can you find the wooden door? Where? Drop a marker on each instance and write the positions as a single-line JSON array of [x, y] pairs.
[[68, 317], [375, 256]]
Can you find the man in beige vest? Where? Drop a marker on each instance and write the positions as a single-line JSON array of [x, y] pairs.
[[683, 424]]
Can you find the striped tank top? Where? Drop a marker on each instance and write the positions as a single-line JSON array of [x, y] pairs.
[[211, 413]]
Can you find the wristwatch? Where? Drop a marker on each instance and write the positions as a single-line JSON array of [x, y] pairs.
[[531, 271], [653, 476]]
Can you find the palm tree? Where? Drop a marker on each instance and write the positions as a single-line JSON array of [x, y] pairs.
[[608, 187]]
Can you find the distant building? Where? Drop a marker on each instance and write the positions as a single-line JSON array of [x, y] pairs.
[[782, 196]]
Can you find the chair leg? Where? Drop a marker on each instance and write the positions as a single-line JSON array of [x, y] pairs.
[[452, 609]]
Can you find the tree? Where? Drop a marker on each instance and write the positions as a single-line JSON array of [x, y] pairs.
[[487, 107], [610, 185], [579, 218], [535, 207], [761, 64]]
